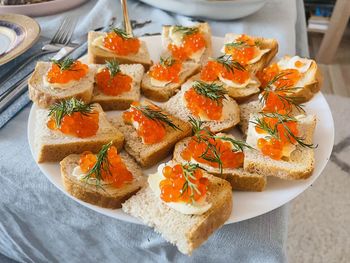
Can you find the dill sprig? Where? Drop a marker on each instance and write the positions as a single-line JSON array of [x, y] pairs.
[[102, 163], [242, 44], [63, 64], [188, 173], [67, 107], [212, 91], [167, 62], [185, 30], [229, 63], [113, 67], [120, 32], [156, 115]]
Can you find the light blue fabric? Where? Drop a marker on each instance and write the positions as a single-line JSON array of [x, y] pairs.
[[38, 223]]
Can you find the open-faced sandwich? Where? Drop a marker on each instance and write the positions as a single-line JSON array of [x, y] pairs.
[[207, 102], [55, 81], [182, 203], [220, 155], [239, 83], [164, 79], [117, 86], [253, 52], [106, 179], [117, 44], [188, 42], [72, 126], [150, 132]]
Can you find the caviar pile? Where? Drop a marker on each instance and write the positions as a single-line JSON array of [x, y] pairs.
[[244, 53], [113, 85], [190, 45], [113, 171], [166, 72], [150, 130], [182, 184], [76, 71], [121, 45]]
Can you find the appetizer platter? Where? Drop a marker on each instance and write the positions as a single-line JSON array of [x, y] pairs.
[[183, 132]]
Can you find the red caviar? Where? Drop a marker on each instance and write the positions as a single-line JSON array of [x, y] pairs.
[[75, 72], [173, 187], [245, 53], [151, 131], [213, 69], [81, 125], [116, 173], [190, 45], [275, 102], [166, 72], [120, 45], [195, 149], [115, 85], [274, 147]]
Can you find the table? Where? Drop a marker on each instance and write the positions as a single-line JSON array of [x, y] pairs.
[[40, 224]]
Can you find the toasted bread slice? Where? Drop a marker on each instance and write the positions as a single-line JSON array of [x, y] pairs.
[[44, 95], [187, 232], [238, 178], [300, 164], [245, 110], [53, 146], [203, 28], [177, 107], [107, 196], [97, 55], [122, 101], [164, 93], [150, 154], [264, 43]]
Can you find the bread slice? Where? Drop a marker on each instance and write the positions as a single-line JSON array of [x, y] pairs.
[[204, 28], [177, 107], [187, 232], [245, 110], [300, 164], [150, 154], [164, 93], [52, 146], [265, 43], [238, 178], [108, 196], [44, 95], [98, 55], [122, 101]]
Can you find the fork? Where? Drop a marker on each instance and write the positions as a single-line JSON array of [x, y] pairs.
[[61, 38]]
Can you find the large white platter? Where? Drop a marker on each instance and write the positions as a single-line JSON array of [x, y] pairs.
[[245, 204]]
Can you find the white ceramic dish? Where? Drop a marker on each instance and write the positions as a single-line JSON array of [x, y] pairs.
[[212, 9], [41, 9], [245, 204]]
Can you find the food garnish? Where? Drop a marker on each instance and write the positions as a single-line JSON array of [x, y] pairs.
[[66, 70], [243, 49], [168, 69], [119, 42]]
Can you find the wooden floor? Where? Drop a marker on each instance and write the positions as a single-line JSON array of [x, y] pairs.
[[336, 75]]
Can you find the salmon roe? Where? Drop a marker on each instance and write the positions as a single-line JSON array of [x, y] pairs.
[[229, 158], [62, 76], [190, 45], [276, 102], [81, 125], [212, 70], [242, 53], [113, 85], [121, 45], [273, 147], [115, 173], [182, 184], [150, 130], [200, 105], [165, 72]]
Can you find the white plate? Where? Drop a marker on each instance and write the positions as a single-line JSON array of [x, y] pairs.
[[41, 9], [212, 9], [245, 204]]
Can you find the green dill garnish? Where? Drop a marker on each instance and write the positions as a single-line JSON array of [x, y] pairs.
[[66, 107], [242, 44], [188, 173], [185, 30], [167, 62], [156, 115], [229, 63], [120, 32], [63, 64], [113, 67], [212, 91]]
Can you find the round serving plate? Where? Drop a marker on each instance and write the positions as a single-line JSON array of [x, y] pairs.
[[246, 205], [17, 34], [212, 9], [41, 9]]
